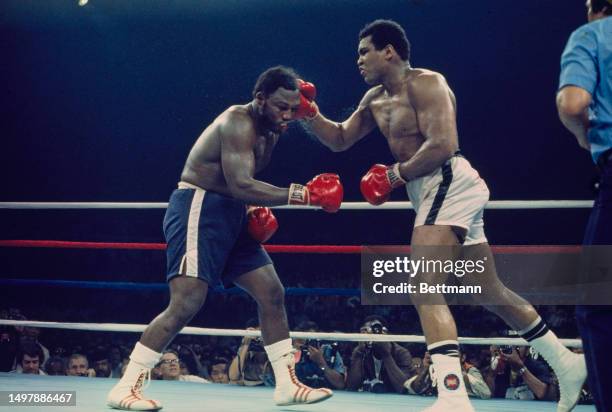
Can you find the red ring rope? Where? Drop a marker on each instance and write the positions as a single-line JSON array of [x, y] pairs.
[[324, 249]]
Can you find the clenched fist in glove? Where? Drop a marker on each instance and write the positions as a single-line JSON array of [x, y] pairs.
[[261, 223], [308, 108], [378, 183], [323, 190]]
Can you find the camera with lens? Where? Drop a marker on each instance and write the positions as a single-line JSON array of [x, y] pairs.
[[507, 350], [256, 345], [377, 328], [374, 385], [315, 343]]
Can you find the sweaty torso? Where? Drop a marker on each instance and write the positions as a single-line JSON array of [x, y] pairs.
[[204, 167], [396, 117]]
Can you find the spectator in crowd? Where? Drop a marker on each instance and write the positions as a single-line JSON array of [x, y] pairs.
[[31, 334], [78, 365], [29, 359], [475, 383], [249, 365], [317, 364], [379, 366], [519, 373], [218, 370], [169, 366], [101, 363], [55, 366]]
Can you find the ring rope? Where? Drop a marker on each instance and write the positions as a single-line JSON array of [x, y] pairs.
[[350, 337], [163, 287], [495, 204], [320, 249]]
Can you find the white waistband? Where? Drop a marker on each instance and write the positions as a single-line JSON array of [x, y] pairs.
[[185, 185]]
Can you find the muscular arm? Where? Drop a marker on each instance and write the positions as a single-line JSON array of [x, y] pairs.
[[238, 162], [437, 123], [572, 104], [340, 136]]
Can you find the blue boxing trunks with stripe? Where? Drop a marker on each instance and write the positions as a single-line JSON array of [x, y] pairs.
[[207, 237]]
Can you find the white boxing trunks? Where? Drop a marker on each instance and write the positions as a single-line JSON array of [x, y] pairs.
[[454, 195]]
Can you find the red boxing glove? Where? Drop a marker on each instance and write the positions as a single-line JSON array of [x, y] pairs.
[[378, 183], [308, 109], [323, 190], [261, 223]]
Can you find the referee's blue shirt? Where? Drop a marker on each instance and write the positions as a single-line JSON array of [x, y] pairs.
[[587, 63]]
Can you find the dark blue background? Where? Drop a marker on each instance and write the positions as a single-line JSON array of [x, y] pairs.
[[103, 102]]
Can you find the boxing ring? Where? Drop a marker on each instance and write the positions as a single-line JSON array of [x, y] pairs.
[[186, 396], [193, 397]]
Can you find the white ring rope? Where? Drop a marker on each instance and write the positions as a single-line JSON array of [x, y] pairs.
[[495, 204], [351, 337]]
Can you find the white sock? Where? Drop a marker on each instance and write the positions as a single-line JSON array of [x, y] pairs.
[[141, 358], [279, 349], [276, 354], [449, 376], [447, 368]]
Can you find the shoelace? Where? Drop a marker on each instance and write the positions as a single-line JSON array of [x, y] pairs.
[[143, 378], [291, 368]]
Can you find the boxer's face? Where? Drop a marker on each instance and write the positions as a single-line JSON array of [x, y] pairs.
[[279, 107], [371, 61]]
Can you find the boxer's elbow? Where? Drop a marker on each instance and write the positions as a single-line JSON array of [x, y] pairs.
[[572, 101], [444, 148], [341, 141]]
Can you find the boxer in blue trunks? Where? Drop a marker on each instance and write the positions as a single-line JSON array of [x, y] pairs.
[[214, 237]]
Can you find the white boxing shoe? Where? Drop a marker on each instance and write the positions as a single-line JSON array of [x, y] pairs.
[[129, 397], [295, 392], [570, 383]]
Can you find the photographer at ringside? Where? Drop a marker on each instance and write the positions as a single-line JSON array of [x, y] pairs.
[[379, 366], [318, 364], [520, 373], [249, 364]]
